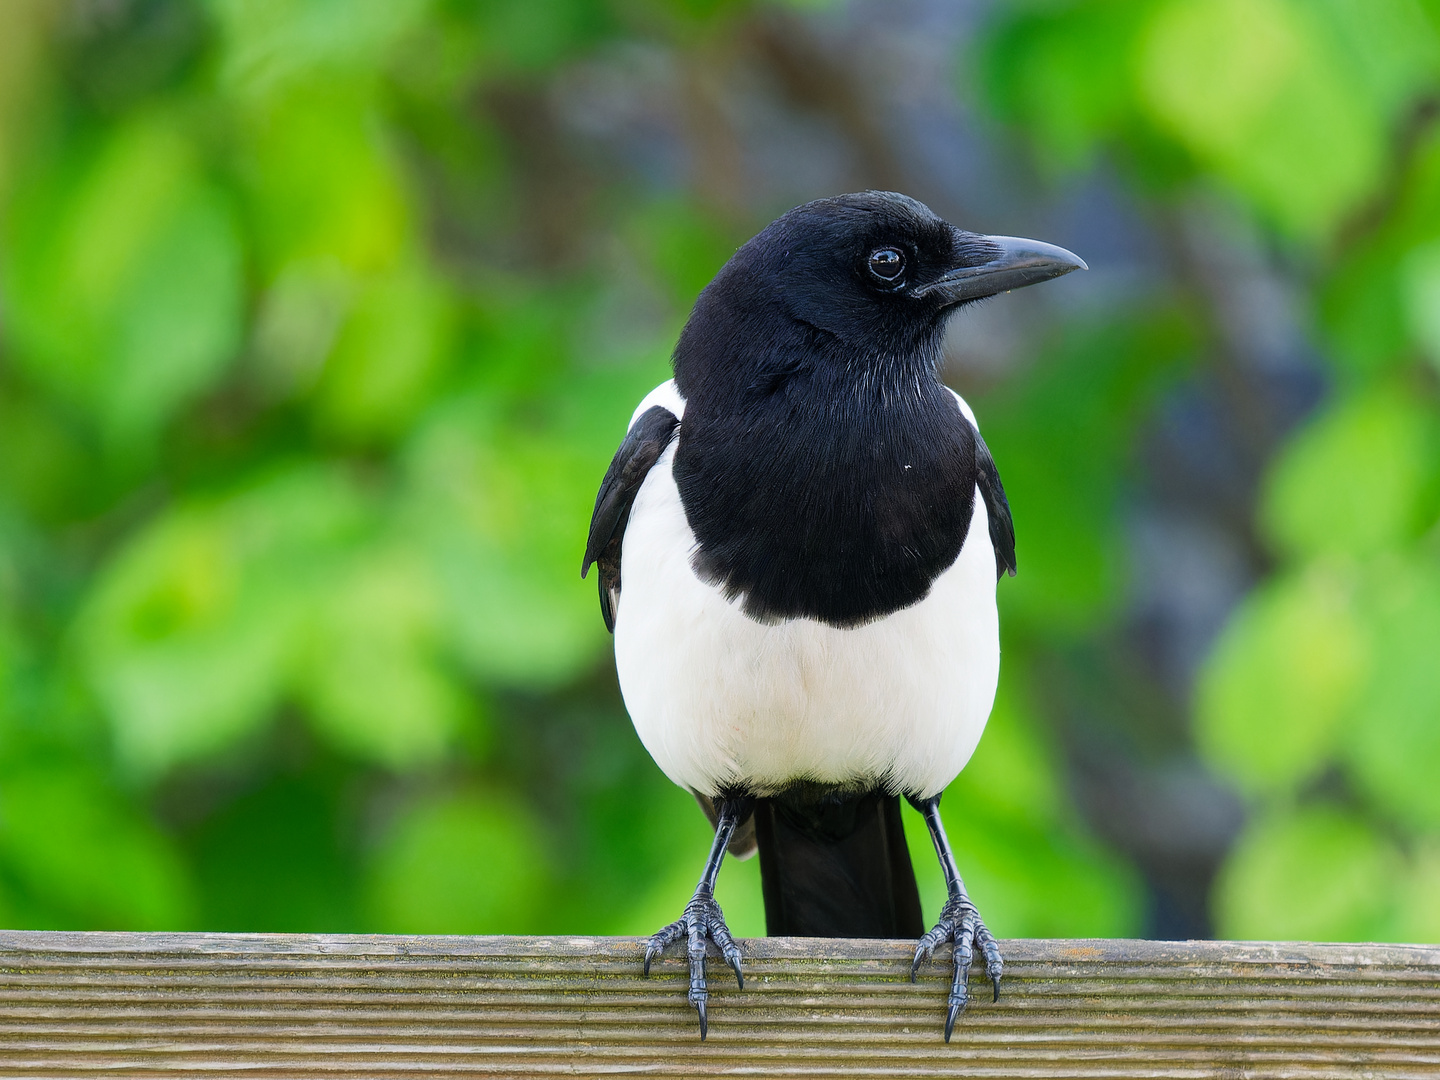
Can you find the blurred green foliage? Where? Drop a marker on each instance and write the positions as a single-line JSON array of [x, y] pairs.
[[288, 499], [308, 379], [1321, 699]]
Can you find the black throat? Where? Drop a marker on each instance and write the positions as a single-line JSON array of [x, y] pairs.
[[825, 485]]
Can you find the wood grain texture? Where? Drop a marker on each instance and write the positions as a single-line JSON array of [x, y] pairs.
[[223, 1005]]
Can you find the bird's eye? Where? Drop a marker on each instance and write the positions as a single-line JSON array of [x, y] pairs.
[[887, 264]]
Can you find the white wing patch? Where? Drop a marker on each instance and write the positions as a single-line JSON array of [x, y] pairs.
[[965, 410], [668, 395]]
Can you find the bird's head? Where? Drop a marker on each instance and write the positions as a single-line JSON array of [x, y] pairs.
[[875, 272]]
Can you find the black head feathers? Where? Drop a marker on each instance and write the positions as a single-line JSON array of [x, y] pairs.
[[874, 274]]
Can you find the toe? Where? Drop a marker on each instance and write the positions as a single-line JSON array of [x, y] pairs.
[[660, 941], [922, 952], [720, 934], [925, 948], [994, 963], [965, 943], [960, 978]]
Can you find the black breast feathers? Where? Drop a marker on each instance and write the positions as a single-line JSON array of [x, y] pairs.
[[820, 496]]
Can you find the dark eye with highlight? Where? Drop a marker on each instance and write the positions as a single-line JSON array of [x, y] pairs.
[[887, 264]]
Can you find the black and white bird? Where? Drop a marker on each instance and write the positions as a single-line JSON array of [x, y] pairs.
[[799, 542]]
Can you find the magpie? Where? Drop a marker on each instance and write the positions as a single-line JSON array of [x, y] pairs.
[[799, 542]]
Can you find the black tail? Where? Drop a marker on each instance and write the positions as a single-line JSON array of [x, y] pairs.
[[836, 866]]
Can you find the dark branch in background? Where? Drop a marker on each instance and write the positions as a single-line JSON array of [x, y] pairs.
[[553, 192], [1253, 390], [819, 82], [1409, 137], [717, 155]]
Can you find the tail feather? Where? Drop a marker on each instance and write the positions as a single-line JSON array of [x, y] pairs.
[[836, 866]]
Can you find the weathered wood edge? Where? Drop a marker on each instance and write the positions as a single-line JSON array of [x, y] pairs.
[[1197, 954], [238, 1006]]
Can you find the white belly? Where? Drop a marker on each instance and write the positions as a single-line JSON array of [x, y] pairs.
[[719, 699]]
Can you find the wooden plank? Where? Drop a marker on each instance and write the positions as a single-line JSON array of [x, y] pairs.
[[230, 1005]]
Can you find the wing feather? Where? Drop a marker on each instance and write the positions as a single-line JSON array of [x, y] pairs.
[[1002, 526], [646, 440]]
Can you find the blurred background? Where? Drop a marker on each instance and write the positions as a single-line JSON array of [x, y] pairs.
[[321, 319]]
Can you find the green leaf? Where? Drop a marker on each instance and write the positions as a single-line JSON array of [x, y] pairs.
[[1014, 769], [1418, 915], [1061, 437], [1393, 744], [184, 663], [190, 633], [323, 184], [1420, 289], [370, 674], [1390, 48], [467, 863], [1278, 685], [1257, 91], [1353, 480], [1375, 302], [1312, 874], [269, 43], [501, 505], [7, 660], [87, 857], [299, 317], [524, 36], [124, 279], [1063, 71], [387, 355], [47, 466]]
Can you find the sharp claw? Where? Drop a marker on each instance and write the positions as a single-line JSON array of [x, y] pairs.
[[950, 1020], [996, 981], [739, 978], [704, 1026], [925, 950], [649, 955]]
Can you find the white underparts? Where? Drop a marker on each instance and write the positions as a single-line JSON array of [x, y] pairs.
[[721, 700]]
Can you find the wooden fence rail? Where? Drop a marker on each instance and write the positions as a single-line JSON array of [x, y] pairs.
[[229, 1005]]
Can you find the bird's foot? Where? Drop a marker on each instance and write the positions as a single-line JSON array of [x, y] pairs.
[[961, 923], [702, 921]]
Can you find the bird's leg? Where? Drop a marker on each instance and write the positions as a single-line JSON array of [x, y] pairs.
[[703, 919], [959, 922]]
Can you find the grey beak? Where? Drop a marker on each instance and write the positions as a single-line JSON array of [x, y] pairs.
[[1020, 262]]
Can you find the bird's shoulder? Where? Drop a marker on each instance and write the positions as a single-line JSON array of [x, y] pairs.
[[652, 427], [667, 395], [965, 409], [1002, 525]]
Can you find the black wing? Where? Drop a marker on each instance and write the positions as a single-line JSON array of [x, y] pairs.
[[644, 443], [1002, 527]]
